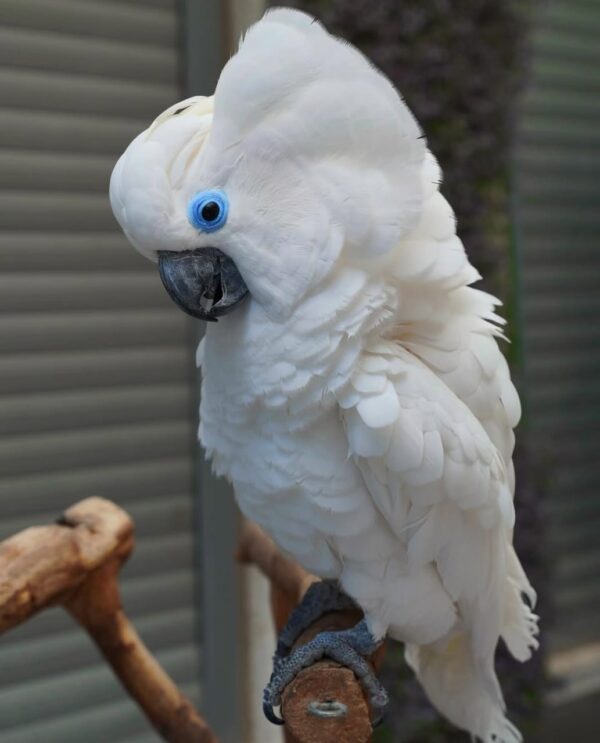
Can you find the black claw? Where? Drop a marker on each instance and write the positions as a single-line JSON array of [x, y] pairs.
[[379, 705], [270, 714], [379, 702], [377, 720]]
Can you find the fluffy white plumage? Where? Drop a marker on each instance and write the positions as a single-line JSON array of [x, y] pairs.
[[358, 401]]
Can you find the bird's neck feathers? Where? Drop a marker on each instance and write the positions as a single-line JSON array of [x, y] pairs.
[[253, 360]]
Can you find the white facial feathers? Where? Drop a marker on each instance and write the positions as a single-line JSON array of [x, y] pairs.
[[147, 191], [316, 151]]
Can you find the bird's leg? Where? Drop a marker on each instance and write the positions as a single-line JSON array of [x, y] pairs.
[[348, 647], [321, 597]]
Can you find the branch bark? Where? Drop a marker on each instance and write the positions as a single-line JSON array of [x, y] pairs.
[[256, 548], [76, 563]]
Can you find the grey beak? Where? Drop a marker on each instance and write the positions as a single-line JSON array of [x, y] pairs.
[[205, 283]]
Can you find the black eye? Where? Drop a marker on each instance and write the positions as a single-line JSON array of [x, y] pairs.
[[211, 211]]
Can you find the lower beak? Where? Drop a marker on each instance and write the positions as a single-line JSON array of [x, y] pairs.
[[205, 283]]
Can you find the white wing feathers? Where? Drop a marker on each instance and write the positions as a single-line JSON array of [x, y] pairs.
[[448, 324], [444, 489], [438, 480], [397, 409]]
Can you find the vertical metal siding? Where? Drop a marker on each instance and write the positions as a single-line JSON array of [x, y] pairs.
[[559, 193], [223, 659], [96, 387]]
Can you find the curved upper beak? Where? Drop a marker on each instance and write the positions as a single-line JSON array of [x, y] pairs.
[[205, 283]]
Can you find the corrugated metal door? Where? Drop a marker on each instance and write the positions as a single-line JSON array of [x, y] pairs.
[[559, 196], [96, 380]]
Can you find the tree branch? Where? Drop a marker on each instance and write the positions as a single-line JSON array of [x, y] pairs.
[[76, 563]]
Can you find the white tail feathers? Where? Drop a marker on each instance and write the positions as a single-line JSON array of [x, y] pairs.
[[463, 686], [467, 693], [520, 629]]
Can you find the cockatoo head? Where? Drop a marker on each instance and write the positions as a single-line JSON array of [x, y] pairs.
[[305, 157]]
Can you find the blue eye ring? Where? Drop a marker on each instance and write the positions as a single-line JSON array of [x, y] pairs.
[[208, 210]]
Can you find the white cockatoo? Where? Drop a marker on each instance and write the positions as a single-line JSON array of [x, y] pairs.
[[353, 390]]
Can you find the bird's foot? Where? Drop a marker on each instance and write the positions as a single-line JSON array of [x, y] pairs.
[[322, 597], [348, 647]]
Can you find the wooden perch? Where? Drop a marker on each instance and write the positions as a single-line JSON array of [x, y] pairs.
[[76, 563], [324, 702], [289, 582]]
